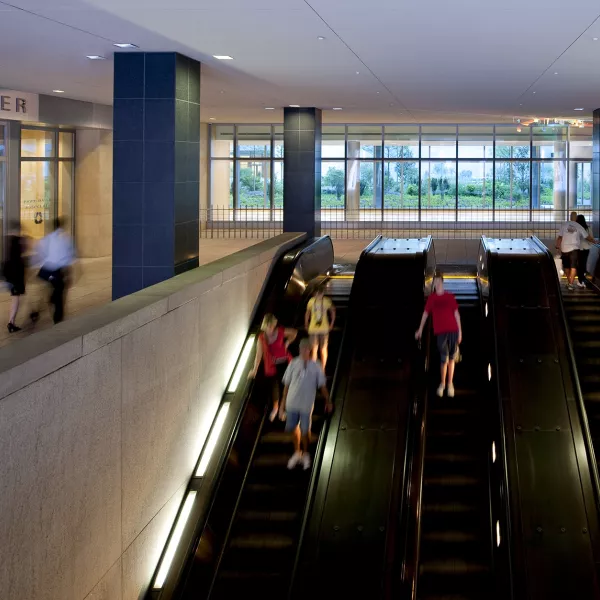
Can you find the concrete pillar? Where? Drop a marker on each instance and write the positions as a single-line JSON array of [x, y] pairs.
[[353, 180], [596, 173]]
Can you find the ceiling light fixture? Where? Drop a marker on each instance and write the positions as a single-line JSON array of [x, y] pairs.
[[222, 57], [378, 92], [556, 72], [294, 106], [578, 109], [126, 45], [337, 108], [269, 108], [535, 92], [595, 39], [358, 72], [59, 91], [212, 119], [320, 38], [95, 57]]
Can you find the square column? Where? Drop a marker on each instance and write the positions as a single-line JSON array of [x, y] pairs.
[[302, 170], [156, 168], [596, 174]]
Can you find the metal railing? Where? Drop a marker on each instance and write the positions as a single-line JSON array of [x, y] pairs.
[[339, 223]]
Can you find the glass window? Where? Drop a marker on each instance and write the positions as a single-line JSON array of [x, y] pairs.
[[400, 184], [221, 185], [221, 141], [401, 141], [549, 141], [66, 143], [38, 203], [2, 139], [475, 142], [253, 141], [253, 186], [333, 141], [65, 190], [512, 141], [512, 184], [278, 184], [580, 142], [364, 185], [475, 189], [37, 143], [580, 188], [438, 184], [364, 141], [549, 185], [438, 141], [333, 184], [278, 141]]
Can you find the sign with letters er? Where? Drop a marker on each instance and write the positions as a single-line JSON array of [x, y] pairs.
[[19, 106]]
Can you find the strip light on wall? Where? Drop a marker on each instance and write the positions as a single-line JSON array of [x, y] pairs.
[[237, 374], [167, 559], [212, 440], [493, 452]]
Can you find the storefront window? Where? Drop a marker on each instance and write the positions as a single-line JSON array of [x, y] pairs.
[[37, 143]]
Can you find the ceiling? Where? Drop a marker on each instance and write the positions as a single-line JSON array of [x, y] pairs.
[[381, 60]]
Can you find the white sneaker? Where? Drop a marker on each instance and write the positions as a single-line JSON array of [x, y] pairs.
[[450, 391], [293, 462], [440, 390], [305, 461], [570, 287], [580, 284]]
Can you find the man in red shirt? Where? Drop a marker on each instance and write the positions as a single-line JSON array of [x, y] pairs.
[[447, 329]]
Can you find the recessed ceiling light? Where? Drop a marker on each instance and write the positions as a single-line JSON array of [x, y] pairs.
[[294, 106], [59, 91], [534, 92], [320, 38], [212, 119], [95, 57], [521, 104], [556, 72], [337, 108], [578, 109], [222, 57], [378, 92], [595, 39], [358, 72], [126, 45], [391, 104], [269, 108]]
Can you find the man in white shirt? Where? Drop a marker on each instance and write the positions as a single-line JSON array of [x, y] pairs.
[[569, 242], [56, 255]]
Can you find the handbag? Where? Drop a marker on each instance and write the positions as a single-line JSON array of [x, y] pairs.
[[458, 356], [558, 264]]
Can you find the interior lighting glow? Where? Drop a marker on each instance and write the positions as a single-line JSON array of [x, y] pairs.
[[337, 108], [489, 372], [595, 39], [493, 452], [269, 108], [320, 38], [167, 559], [126, 45], [212, 440], [294, 106], [486, 309], [237, 374], [578, 109], [222, 57], [212, 119], [498, 533], [95, 57], [59, 91]]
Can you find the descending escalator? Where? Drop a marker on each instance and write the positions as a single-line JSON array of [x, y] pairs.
[[454, 558]]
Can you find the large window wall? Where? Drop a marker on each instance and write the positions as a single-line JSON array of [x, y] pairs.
[[414, 172]]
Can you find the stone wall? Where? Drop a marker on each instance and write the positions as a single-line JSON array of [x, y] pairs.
[[101, 422]]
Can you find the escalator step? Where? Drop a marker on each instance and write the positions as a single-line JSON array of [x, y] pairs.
[[450, 481], [592, 396], [453, 567], [270, 541], [452, 537]]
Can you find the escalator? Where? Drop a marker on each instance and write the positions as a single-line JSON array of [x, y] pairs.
[[455, 537]]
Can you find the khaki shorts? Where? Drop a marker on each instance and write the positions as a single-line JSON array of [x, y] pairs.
[[320, 340]]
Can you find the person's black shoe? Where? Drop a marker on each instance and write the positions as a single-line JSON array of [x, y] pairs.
[[34, 316], [12, 328]]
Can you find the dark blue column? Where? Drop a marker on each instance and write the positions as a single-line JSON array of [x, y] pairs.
[[302, 170], [156, 173]]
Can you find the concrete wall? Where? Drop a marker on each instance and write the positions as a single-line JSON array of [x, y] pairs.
[[93, 193], [101, 421]]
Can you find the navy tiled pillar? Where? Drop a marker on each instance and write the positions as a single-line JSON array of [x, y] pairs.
[[156, 159], [302, 170], [596, 174]]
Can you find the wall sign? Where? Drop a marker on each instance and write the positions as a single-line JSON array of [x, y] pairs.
[[19, 106]]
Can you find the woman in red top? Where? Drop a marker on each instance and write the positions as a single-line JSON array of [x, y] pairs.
[[272, 350], [447, 329]]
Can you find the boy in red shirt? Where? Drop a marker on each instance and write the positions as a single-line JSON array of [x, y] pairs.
[[447, 329]]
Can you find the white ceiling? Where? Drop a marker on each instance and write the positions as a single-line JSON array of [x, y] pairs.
[[430, 60]]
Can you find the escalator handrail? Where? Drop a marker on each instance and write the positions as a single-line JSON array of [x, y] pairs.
[[585, 426]]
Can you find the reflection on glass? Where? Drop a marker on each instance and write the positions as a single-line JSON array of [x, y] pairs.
[[438, 184], [512, 185], [37, 143], [438, 141], [401, 184], [65, 191], [512, 141], [475, 141], [2, 140], [364, 185], [549, 142], [475, 184], [253, 141], [278, 141], [278, 184], [221, 185], [333, 184], [66, 143], [364, 141], [2, 193], [580, 143], [333, 141], [38, 204], [254, 182], [221, 141], [549, 185], [580, 185]]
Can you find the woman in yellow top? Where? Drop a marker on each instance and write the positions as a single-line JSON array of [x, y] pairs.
[[319, 320]]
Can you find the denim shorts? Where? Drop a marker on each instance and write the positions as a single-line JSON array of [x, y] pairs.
[[447, 344], [294, 419]]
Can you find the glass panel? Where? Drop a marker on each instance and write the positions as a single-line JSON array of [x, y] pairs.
[[2, 139], [221, 185], [278, 184], [475, 184], [438, 184], [364, 141], [221, 141], [475, 142], [438, 142], [400, 184], [254, 141], [38, 204], [549, 141], [580, 184], [2, 198], [580, 144], [364, 185], [254, 182], [333, 141], [65, 192], [66, 143], [37, 143], [549, 185], [512, 141], [512, 185], [278, 141], [401, 141], [333, 183]]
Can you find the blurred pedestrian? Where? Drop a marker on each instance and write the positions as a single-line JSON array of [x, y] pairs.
[[319, 320], [13, 270], [584, 251], [568, 242]]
